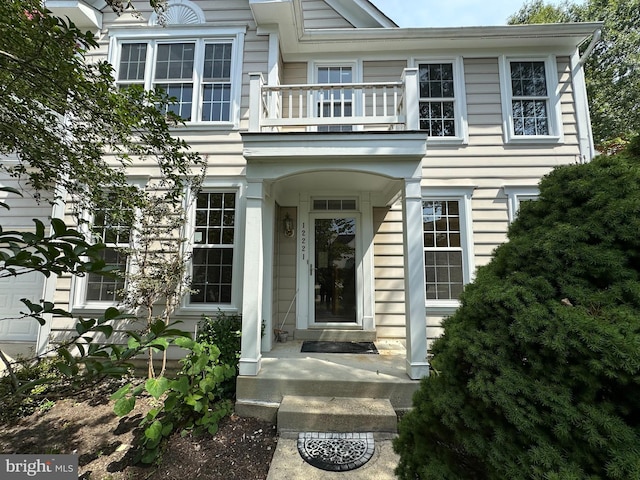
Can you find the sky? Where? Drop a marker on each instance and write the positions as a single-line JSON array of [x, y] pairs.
[[451, 13]]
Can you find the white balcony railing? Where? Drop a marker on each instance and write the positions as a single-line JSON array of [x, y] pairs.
[[334, 107]]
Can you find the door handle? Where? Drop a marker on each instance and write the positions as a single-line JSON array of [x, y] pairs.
[[310, 269]]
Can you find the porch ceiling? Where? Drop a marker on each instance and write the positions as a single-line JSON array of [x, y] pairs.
[[382, 190]]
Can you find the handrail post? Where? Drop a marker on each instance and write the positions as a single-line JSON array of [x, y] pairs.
[[256, 109], [411, 98]]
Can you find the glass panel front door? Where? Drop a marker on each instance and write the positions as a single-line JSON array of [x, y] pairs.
[[335, 270]]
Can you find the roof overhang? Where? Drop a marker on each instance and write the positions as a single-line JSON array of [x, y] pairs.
[[298, 44], [557, 38], [361, 13], [82, 13]]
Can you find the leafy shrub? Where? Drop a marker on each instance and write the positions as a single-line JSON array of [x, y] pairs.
[[13, 406], [537, 375], [191, 401], [223, 331]]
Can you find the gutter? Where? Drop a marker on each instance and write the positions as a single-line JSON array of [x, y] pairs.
[[596, 38]]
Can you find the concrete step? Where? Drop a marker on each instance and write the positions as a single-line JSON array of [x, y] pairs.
[[335, 414]]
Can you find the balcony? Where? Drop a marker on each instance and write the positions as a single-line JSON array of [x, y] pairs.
[[350, 107]]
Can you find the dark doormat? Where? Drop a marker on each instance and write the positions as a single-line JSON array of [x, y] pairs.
[[338, 347]]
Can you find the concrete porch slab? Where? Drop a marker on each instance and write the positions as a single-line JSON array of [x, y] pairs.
[[287, 371]]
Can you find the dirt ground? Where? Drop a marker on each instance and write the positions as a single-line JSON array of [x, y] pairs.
[[242, 448]]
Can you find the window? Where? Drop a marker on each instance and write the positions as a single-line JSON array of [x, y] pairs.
[[448, 246], [175, 70], [530, 105], [112, 228], [442, 249], [516, 195], [199, 68], [339, 204], [442, 110], [437, 113], [529, 99], [335, 102], [213, 247]]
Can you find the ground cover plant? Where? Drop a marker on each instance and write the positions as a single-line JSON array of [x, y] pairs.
[[537, 375]]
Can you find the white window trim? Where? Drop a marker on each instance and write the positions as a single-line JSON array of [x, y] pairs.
[[556, 134], [199, 35], [514, 194], [78, 295], [463, 195], [459, 99], [211, 186]]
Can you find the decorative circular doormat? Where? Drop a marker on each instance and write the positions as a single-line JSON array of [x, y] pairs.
[[336, 452]]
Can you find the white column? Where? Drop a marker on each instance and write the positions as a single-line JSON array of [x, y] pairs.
[[414, 281], [411, 98], [250, 354], [268, 215], [256, 110], [368, 288]]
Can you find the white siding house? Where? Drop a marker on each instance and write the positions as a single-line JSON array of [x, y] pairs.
[[365, 170]]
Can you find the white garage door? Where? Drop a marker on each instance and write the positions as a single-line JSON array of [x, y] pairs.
[[12, 289]]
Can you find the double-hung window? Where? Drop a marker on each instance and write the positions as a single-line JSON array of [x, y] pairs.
[[442, 109], [111, 226], [335, 102], [448, 246], [202, 75], [213, 248], [530, 105]]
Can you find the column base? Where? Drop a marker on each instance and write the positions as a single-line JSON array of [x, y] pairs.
[[417, 370], [250, 366]]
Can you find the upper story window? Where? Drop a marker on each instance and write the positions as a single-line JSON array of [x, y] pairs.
[[437, 100], [529, 98], [200, 68], [197, 74], [442, 108], [335, 102], [530, 106]]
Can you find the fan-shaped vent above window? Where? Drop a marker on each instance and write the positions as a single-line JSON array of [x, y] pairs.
[[179, 12]]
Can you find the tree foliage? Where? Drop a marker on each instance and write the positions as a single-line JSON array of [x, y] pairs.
[[537, 375], [73, 133], [611, 71], [67, 123]]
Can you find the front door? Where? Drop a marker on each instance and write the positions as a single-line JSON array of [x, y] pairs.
[[334, 272]]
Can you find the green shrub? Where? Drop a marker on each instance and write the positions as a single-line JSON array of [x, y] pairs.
[[13, 406], [537, 375], [189, 402], [224, 332]]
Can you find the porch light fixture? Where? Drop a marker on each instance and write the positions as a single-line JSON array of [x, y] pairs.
[[288, 226]]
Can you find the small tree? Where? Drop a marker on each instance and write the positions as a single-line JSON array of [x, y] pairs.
[[157, 279], [537, 374]]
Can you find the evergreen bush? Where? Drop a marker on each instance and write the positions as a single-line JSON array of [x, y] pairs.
[[537, 375]]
